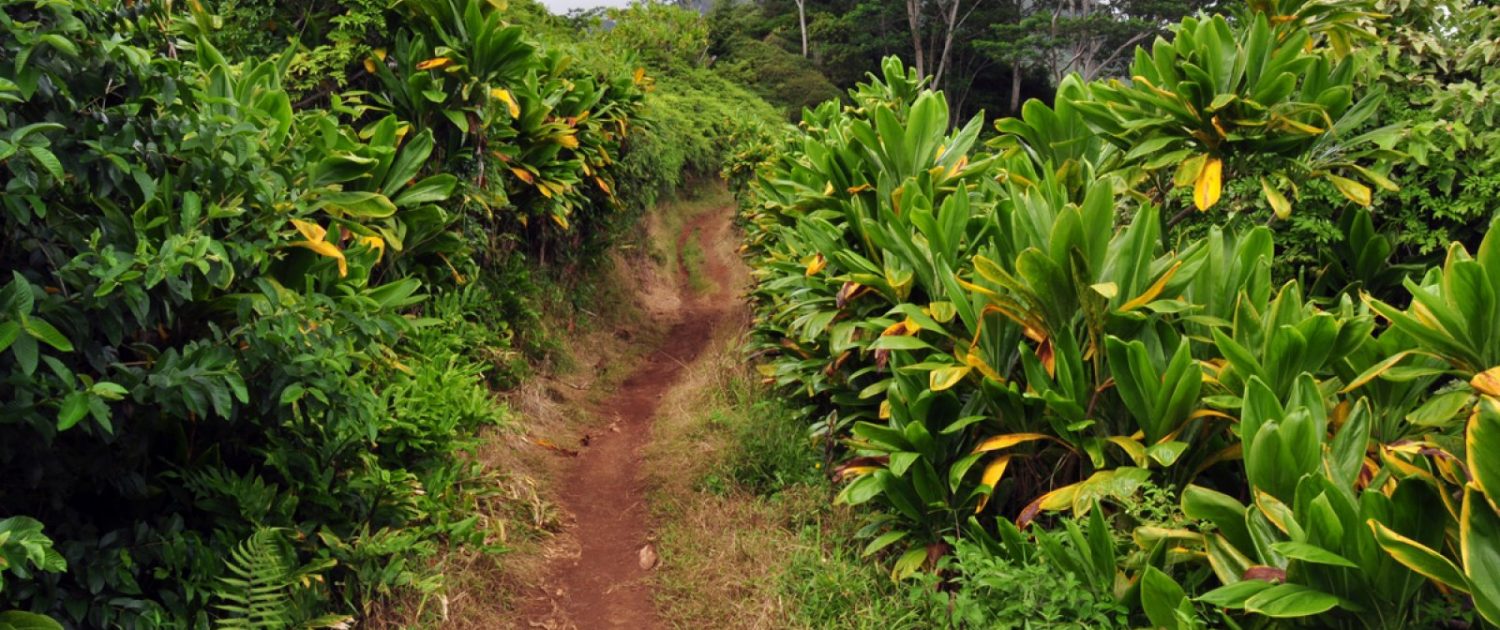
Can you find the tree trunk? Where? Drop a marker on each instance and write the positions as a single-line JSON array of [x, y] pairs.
[[950, 24], [802, 21], [914, 22], [1015, 88]]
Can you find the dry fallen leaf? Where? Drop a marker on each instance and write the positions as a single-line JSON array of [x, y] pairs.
[[547, 444]]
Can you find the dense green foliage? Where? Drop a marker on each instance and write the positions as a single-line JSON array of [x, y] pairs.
[[984, 54], [256, 291], [1023, 361], [1213, 345]]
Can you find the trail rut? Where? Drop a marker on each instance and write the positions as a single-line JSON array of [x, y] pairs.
[[607, 583]]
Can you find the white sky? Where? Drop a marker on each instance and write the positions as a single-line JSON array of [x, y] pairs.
[[563, 6]]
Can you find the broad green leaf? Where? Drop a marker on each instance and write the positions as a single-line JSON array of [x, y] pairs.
[[48, 161], [108, 390], [946, 377], [8, 333], [46, 333], [1482, 441], [883, 541], [21, 620], [1419, 557], [357, 204], [1307, 552], [1166, 453], [337, 169], [430, 190], [1224, 511], [1440, 411], [1479, 545], [1285, 601], [1234, 595], [1278, 201], [909, 563], [1160, 597], [74, 407]]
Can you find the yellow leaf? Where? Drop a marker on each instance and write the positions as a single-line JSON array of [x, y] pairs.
[[569, 140], [458, 277], [946, 377], [309, 230], [376, 243], [885, 410], [1151, 293], [324, 248], [1274, 510], [816, 264], [1297, 125], [503, 95], [854, 190], [1355, 191], [1051, 501], [992, 474], [978, 363], [959, 166], [1134, 449], [941, 311], [370, 66], [523, 174], [1219, 127], [1279, 204], [1001, 442], [560, 220], [380, 54], [1207, 186], [1210, 413], [640, 75], [603, 186], [1487, 382], [434, 63]]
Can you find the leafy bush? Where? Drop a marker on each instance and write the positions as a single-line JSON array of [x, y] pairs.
[[990, 591], [780, 77], [1006, 340], [250, 316]]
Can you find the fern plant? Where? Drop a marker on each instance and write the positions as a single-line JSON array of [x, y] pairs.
[[267, 588]]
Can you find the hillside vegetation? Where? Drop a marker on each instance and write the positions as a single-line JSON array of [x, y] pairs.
[[1205, 336], [1092, 343], [256, 293]]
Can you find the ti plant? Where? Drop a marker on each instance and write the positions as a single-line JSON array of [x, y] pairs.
[[1218, 101], [1301, 546]]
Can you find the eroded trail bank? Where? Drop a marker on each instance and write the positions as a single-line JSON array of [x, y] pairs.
[[598, 574]]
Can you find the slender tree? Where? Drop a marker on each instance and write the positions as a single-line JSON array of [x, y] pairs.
[[802, 23], [914, 21]]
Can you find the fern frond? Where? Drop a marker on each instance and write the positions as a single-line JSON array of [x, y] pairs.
[[257, 594]]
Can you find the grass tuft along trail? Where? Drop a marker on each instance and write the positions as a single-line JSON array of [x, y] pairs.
[[607, 582]]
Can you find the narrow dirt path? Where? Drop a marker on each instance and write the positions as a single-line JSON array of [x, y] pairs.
[[607, 583]]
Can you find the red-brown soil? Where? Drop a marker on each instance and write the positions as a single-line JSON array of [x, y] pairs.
[[607, 583]]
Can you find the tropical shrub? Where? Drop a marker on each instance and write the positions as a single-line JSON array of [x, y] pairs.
[[1005, 337], [247, 316]]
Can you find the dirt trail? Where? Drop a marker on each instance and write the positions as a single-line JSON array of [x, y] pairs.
[[607, 583]]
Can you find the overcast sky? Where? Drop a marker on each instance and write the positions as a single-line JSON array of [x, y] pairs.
[[564, 6]]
